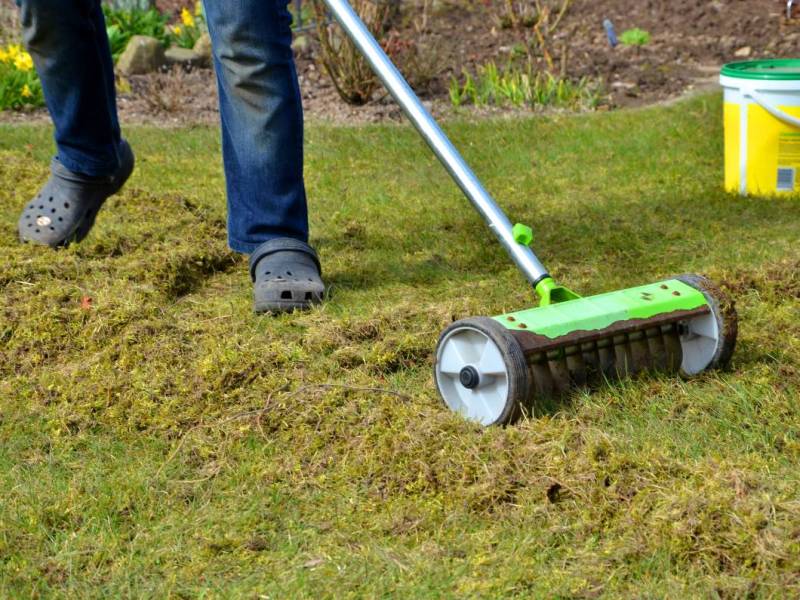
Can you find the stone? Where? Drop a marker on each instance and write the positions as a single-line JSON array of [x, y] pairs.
[[182, 57], [202, 48], [743, 52], [142, 55]]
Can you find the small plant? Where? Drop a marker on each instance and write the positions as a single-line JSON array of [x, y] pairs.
[[348, 69], [165, 93], [534, 23], [635, 37], [123, 24], [19, 83], [117, 40], [491, 86], [191, 27], [517, 13], [532, 13], [303, 17]]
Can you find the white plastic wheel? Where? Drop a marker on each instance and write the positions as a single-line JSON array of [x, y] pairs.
[[480, 371], [708, 341], [699, 344]]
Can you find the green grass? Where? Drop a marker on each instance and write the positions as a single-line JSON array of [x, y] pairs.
[[519, 87], [160, 440]]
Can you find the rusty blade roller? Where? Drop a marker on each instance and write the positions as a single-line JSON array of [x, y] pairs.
[[655, 345], [588, 357], [639, 351], [533, 344]]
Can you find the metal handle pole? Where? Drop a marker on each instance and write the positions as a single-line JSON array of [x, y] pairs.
[[523, 256]]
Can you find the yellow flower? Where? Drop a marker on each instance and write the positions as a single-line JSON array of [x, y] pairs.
[[176, 30], [187, 18], [10, 53], [23, 61], [198, 9], [26, 91]]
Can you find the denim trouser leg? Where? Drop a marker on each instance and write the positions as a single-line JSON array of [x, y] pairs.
[[261, 112], [67, 40], [262, 121]]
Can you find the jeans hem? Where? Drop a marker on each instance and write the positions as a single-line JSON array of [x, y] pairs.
[[90, 170], [250, 247]]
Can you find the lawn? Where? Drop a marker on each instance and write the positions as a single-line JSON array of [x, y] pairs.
[[158, 439]]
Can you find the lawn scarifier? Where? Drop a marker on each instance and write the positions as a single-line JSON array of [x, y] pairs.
[[492, 370]]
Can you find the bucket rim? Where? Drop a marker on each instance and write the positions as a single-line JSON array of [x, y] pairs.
[[769, 69]]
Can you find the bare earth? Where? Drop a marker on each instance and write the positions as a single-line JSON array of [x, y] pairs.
[[691, 39]]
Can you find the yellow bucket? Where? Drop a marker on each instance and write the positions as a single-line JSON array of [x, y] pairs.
[[762, 126]]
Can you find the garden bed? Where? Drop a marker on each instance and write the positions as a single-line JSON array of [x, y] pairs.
[[690, 39]]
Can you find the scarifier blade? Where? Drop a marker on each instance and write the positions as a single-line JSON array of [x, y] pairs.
[[559, 370]]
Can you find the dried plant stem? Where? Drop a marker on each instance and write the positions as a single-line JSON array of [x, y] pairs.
[[543, 45], [349, 71], [512, 13], [564, 8]]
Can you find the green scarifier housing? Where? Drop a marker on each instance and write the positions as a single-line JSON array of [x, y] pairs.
[[604, 310]]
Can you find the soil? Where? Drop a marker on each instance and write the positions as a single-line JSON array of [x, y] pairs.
[[691, 39]]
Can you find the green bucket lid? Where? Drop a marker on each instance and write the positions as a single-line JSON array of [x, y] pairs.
[[776, 69]]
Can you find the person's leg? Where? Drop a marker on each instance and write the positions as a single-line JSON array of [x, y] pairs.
[[262, 143], [68, 42], [262, 121]]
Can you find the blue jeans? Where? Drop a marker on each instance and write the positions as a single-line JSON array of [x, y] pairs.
[[260, 107]]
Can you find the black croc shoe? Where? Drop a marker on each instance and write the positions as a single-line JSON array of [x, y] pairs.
[[64, 210], [286, 276]]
